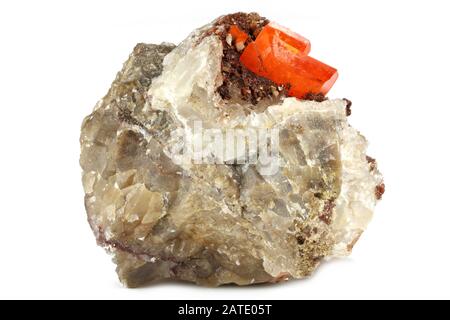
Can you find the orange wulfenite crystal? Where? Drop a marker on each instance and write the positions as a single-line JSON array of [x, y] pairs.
[[281, 55], [238, 35]]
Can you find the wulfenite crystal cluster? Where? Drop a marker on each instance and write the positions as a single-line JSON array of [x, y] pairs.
[[223, 220]]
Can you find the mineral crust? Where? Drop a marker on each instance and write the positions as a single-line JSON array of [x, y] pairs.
[[162, 217]]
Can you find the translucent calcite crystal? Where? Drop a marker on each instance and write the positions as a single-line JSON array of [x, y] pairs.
[[162, 217]]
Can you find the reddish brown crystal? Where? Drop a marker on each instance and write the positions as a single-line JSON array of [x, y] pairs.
[[281, 55]]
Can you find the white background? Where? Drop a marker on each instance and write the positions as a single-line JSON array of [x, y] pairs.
[[57, 58]]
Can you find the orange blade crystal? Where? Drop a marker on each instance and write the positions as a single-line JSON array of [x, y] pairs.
[[307, 75], [238, 35], [285, 39], [281, 55]]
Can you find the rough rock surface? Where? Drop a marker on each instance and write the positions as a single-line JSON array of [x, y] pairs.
[[215, 224]]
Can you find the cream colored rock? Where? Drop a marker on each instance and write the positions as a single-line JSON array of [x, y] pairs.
[[163, 216]]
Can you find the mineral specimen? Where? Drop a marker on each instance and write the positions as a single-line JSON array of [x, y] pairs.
[[166, 209]]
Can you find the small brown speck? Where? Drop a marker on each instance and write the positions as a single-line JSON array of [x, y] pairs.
[[318, 97], [348, 108], [372, 163], [301, 240], [379, 191], [327, 214]]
